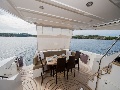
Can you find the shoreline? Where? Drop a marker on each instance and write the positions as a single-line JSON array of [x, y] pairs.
[[97, 37]]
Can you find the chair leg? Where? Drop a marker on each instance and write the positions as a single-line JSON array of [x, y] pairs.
[[53, 71], [71, 70], [64, 73], [74, 72], [56, 77], [42, 79], [78, 64], [67, 74]]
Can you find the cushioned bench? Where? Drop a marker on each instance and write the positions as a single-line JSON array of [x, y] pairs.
[[36, 62], [52, 53]]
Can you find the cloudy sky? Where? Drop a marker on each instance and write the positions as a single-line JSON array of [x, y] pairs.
[[12, 24], [97, 32]]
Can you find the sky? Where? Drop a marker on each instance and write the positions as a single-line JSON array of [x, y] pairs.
[[97, 32], [13, 24]]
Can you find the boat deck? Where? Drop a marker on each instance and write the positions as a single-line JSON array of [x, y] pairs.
[[73, 83]]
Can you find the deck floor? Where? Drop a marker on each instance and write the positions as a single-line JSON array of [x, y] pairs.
[[73, 83]]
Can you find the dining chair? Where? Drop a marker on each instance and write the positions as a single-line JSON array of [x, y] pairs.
[[60, 67], [45, 69], [70, 65], [77, 56]]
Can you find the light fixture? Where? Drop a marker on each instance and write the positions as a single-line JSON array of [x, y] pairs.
[[41, 7], [89, 4]]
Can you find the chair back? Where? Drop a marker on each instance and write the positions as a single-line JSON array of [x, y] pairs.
[[60, 64], [77, 55], [44, 67], [71, 62], [40, 60], [84, 58]]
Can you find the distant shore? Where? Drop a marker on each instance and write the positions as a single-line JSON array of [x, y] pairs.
[[73, 37], [16, 35], [94, 37]]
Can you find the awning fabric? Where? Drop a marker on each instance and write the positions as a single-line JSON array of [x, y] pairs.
[[49, 38]]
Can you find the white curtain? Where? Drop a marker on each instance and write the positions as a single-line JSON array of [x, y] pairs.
[[53, 38]]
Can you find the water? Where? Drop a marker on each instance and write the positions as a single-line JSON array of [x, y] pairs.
[[27, 46], [19, 46], [96, 46]]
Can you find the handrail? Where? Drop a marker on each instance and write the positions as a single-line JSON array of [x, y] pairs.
[[3, 77], [101, 61]]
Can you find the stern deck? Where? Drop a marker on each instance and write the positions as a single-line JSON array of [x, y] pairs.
[[73, 83]]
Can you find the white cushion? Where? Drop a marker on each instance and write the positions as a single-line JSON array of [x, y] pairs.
[[41, 55], [68, 53]]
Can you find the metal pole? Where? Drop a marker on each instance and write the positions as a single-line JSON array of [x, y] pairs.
[[101, 61], [37, 37]]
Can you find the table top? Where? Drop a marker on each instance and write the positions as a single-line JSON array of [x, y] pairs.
[[53, 60]]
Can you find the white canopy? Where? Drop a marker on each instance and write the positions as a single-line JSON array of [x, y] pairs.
[[68, 14]]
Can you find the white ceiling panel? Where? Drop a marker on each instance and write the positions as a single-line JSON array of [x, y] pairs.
[[101, 8], [65, 13], [49, 9]]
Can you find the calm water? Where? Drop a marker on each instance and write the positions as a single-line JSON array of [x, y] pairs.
[[19, 46], [26, 47], [96, 46]]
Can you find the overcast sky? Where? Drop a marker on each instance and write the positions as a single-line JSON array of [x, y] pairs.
[[12, 24], [97, 32]]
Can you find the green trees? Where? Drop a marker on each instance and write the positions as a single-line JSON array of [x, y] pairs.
[[94, 37], [16, 35]]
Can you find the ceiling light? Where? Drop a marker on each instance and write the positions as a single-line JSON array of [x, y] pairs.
[[75, 20], [41, 7], [70, 19], [39, 19], [45, 20], [89, 4], [51, 21]]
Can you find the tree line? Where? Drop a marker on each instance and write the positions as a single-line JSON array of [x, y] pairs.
[[94, 37], [16, 35]]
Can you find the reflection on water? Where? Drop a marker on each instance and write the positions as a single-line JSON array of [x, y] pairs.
[[26, 47]]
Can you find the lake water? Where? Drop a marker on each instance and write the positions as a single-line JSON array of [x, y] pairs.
[[26, 47], [19, 46]]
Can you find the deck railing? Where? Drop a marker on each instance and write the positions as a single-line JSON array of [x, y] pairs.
[[99, 69]]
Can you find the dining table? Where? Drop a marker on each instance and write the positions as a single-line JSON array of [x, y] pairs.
[[52, 62]]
